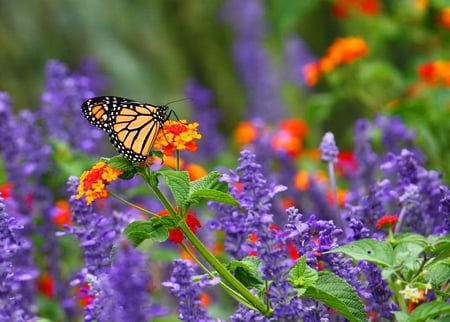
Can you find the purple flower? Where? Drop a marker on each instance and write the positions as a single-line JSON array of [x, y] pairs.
[[213, 143], [328, 148], [123, 292], [182, 285], [297, 56], [97, 234], [377, 292], [418, 191], [255, 198], [259, 79], [61, 107], [15, 304]]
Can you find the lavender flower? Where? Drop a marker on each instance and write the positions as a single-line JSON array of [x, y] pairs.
[[212, 144], [377, 292], [97, 235], [419, 192], [255, 199], [252, 60], [14, 302], [61, 107], [297, 56], [123, 293], [328, 148], [182, 285]]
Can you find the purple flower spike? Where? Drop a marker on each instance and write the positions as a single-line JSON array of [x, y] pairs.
[[328, 148], [187, 291]]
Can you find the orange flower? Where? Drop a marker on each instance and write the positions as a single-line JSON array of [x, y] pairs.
[[296, 126], [347, 50], [285, 141], [245, 133], [195, 171], [443, 18], [93, 182], [311, 73], [342, 8], [435, 73], [342, 51], [177, 136], [61, 213], [341, 194]]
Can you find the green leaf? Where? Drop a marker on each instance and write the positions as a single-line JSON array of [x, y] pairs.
[[407, 254], [155, 229], [214, 195], [302, 276], [210, 188], [210, 181], [246, 271], [178, 183], [121, 163], [336, 293], [429, 310], [411, 238], [438, 275], [370, 250]]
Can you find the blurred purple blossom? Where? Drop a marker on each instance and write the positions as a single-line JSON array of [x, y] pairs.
[[123, 292], [96, 234], [259, 78], [213, 142], [297, 55], [16, 301], [182, 285], [61, 106]]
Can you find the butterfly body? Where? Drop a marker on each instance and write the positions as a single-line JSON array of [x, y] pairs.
[[132, 126]]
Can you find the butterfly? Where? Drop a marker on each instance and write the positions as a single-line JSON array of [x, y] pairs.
[[132, 126]]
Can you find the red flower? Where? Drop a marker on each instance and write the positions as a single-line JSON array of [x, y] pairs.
[[45, 285], [386, 221], [176, 235]]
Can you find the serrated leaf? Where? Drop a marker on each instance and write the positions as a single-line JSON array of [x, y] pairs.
[[246, 271], [336, 293], [302, 276], [370, 250], [178, 183], [214, 195], [429, 310], [210, 181]]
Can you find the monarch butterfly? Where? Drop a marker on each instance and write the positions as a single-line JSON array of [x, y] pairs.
[[132, 126]]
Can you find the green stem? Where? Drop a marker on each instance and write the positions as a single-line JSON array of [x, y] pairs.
[[178, 160], [227, 289], [224, 273], [151, 214], [251, 299]]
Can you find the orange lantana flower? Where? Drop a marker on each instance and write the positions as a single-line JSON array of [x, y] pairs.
[[435, 73], [93, 182], [177, 135], [342, 51]]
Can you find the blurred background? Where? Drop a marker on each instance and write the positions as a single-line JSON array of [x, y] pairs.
[[150, 50]]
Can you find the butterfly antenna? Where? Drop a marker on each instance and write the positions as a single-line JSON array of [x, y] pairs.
[[179, 100]]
